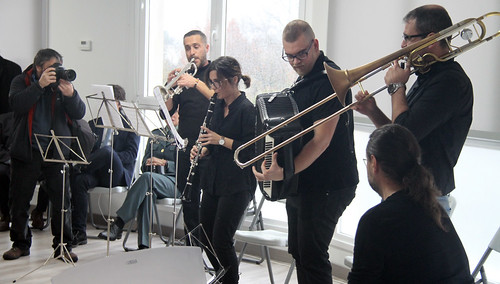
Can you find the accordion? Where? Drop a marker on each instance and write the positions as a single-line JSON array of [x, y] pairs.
[[272, 109]]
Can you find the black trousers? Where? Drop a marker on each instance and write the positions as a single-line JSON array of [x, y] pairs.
[[312, 217], [95, 174], [190, 210], [23, 181], [220, 217], [4, 189]]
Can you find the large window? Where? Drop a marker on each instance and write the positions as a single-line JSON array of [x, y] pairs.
[[251, 33], [168, 22]]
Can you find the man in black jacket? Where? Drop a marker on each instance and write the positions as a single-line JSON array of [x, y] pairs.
[[41, 102], [440, 127]]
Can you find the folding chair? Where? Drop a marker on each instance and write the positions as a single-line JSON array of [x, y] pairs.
[[102, 190], [264, 238], [494, 245], [161, 202]]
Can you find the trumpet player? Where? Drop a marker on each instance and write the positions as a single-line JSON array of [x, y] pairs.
[[192, 104], [437, 109]]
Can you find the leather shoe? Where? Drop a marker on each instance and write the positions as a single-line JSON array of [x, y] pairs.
[[79, 238], [15, 253], [37, 219], [115, 233], [4, 223], [71, 256]]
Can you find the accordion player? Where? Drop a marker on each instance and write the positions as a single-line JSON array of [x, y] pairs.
[[272, 109]]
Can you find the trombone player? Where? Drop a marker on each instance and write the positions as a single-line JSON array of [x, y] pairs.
[[326, 164], [437, 109]]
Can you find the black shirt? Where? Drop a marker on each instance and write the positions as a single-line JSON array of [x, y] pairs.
[[440, 115], [397, 242], [336, 167], [222, 176], [193, 107]]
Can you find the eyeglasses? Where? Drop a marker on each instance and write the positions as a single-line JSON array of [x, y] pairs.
[[408, 37], [216, 83], [364, 161], [301, 55]]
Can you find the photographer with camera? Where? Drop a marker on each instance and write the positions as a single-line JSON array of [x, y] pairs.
[[42, 100]]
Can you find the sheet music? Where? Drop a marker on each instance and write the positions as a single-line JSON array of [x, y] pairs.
[[136, 120], [108, 110], [181, 144]]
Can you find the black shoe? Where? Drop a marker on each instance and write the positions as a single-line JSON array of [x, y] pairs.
[[115, 233], [71, 256], [15, 253], [4, 223], [141, 247], [79, 238]]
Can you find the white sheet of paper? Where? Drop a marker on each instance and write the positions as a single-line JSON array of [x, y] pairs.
[[159, 98], [136, 121], [108, 110]]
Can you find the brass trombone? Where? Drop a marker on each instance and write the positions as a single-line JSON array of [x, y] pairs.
[[342, 81]]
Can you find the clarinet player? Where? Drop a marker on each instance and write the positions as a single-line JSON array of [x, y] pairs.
[[227, 189]]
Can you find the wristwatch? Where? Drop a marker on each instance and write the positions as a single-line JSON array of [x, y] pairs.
[[393, 87], [222, 141]]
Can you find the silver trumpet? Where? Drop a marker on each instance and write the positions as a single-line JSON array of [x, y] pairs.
[[168, 90]]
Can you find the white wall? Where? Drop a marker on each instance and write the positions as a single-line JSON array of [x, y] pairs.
[[112, 26], [21, 30], [363, 31]]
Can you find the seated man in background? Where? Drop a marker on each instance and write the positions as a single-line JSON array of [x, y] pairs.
[[162, 176], [408, 238], [124, 152]]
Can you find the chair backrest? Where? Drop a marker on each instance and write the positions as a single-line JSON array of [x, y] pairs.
[[495, 242], [453, 203]]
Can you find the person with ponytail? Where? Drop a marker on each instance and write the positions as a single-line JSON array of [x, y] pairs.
[[227, 189], [408, 238]]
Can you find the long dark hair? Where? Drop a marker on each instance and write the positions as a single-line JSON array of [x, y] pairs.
[[227, 67], [398, 154]]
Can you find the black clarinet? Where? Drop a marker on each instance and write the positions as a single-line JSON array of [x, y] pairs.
[[186, 193]]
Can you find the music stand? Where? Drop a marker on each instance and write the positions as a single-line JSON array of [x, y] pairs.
[[208, 249], [181, 145], [111, 119], [138, 122], [57, 143]]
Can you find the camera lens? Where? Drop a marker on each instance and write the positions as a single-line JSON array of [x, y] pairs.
[[61, 73], [69, 75]]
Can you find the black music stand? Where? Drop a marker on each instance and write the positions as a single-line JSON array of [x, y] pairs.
[[58, 144], [111, 119]]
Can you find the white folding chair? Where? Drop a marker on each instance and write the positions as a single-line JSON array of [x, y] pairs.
[[265, 238], [494, 245]]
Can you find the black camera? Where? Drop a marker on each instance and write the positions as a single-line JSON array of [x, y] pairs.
[[65, 74]]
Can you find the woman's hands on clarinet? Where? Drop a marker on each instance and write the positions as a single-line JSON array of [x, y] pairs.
[[208, 136]]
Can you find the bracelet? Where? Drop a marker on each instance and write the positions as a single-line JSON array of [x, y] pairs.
[[196, 84]]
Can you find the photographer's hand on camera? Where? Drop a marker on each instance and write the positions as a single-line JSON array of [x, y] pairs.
[[66, 88], [48, 77]]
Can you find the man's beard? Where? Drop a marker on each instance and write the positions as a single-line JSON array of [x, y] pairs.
[[374, 186]]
